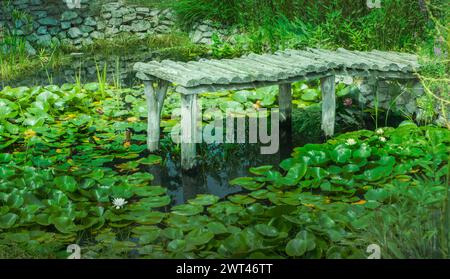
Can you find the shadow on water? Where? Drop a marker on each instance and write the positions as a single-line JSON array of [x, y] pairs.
[[217, 165], [220, 163]]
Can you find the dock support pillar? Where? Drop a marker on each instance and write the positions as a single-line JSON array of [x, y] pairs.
[[189, 130], [155, 94], [285, 102], [328, 105]]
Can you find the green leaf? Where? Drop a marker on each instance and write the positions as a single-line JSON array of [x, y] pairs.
[[341, 154], [379, 195], [8, 220], [177, 245], [187, 209], [199, 236], [150, 160], [296, 247], [66, 183], [267, 230], [204, 200]]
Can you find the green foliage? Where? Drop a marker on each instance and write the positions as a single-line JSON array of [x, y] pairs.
[[65, 157], [270, 25]]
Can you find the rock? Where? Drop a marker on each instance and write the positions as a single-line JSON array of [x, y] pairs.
[[89, 21], [119, 12], [65, 25], [48, 21], [162, 29], [69, 15], [129, 17], [97, 35], [40, 14], [111, 31], [42, 30], [30, 49], [77, 21], [106, 16], [197, 36], [54, 30], [44, 40], [206, 41], [140, 26], [101, 25], [86, 29], [142, 10], [74, 33], [207, 34], [154, 12], [115, 21], [203, 27], [125, 28]]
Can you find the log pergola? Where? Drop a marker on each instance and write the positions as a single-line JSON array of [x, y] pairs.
[[252, 71]]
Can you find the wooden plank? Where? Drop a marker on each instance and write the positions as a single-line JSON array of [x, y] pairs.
[[189, 132], [328, 105], [285, 102], [309, 76], [155, 100]]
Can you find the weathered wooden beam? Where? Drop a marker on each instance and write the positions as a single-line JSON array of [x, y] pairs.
[[285, 102], [189, 132], [155, 95], [328, 105]]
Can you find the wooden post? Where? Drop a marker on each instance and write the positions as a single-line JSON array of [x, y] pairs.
[[155, 100], [328, 105], [189, 113], [285, 102]]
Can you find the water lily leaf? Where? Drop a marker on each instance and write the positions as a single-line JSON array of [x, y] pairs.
[[177, 245], [8, 220], [295, 174], [66, 183], [241, 199], [310, 95], [63, 224], [145, 217], [187, 209], [378, 173], [379, 195], [363, 152], [150, 160], [155, 201], [267, 230], [147, 234], [217, 228], [260, 170], [150, 191], [199, 236], [296, 247], [204, 200], [341, 154], [248, 183]]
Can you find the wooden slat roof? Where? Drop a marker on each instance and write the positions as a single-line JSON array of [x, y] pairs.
[[281, 66]]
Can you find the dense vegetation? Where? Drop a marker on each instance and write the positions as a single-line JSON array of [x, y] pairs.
[[74, 165]]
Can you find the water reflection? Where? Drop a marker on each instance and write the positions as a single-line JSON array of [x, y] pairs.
[[218, 164]]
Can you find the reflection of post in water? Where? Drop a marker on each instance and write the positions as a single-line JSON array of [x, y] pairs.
[[194, 183], [285, 139]]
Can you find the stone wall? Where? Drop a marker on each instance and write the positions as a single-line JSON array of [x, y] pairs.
[[48, 22]]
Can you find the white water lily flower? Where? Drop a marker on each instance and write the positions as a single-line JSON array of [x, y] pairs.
[[351, 142], [380, 131], [119, 203], [382, 139]]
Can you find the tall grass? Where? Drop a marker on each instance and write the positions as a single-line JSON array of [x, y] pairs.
[[397, 25]]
